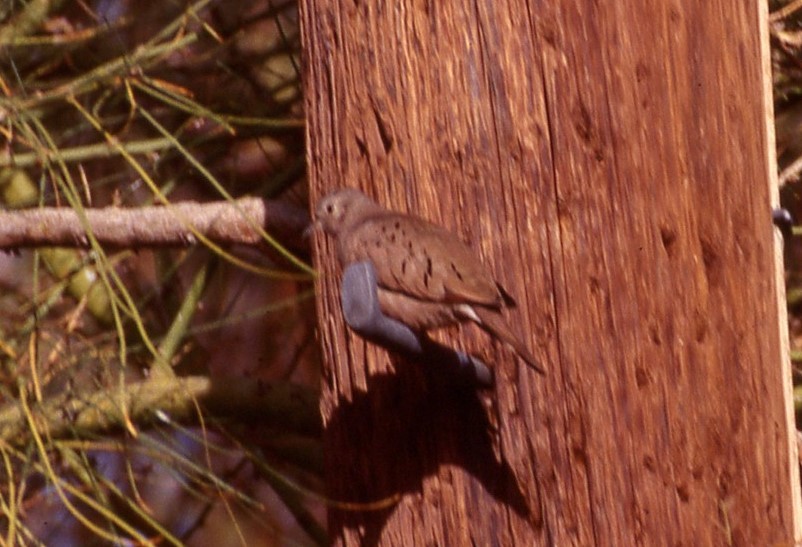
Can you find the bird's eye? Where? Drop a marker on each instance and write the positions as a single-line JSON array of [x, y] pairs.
[[329, 208]]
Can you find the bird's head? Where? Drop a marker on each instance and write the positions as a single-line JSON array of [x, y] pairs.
[[340, 209]]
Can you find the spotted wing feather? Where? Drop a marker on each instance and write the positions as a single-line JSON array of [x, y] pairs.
[[418, 258]]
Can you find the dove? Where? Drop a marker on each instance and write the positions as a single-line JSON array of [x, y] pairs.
[[425, 276]]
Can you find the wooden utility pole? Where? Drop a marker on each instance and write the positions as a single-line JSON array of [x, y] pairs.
[[613, 163]]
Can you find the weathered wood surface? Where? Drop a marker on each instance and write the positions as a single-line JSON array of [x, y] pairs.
[[612, 163]]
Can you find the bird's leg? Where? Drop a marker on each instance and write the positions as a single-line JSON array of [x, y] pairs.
[[359, 298]]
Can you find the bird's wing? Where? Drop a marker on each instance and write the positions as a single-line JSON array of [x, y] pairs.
[[418, 258]]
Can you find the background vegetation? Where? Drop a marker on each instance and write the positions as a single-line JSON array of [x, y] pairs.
[[163, 395], [786, 49]]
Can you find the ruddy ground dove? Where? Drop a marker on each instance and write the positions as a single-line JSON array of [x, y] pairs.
[[427, 277]]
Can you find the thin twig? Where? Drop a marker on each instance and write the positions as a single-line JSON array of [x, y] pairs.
[[81, 153], [790, 173], [785, 11]]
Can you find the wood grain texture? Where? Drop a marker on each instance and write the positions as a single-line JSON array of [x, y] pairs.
[[611, 162]]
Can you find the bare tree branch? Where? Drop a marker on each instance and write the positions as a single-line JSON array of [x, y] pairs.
[[227, 222], [292, 406]]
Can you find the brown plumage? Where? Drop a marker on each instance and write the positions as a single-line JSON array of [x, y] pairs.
[[427, 277]]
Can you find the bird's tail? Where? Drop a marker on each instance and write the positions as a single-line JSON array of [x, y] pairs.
[[493, 322]]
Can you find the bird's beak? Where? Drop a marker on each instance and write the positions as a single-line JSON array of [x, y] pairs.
[[314, 226]]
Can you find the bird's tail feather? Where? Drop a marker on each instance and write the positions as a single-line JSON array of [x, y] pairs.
[[493, 322]]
